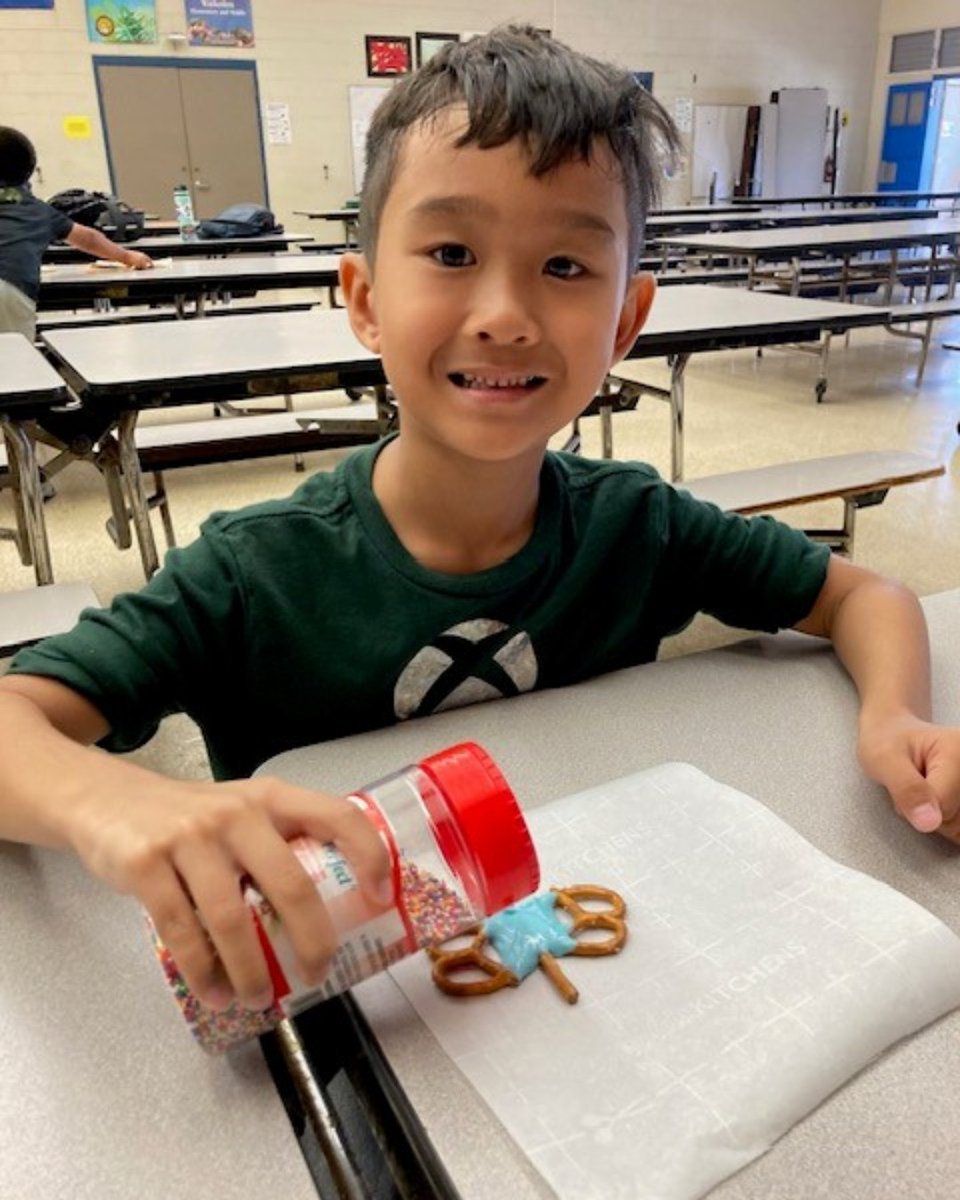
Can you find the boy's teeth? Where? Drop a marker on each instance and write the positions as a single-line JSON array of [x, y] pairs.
[[512, 381]]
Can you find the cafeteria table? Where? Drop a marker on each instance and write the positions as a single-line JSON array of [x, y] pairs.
[[184, 279], [104, 1095], [172, 245], [29, 387]]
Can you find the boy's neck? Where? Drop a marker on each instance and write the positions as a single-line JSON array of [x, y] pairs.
[[454, 516]]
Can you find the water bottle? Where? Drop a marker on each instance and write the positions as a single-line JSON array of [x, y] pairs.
[[183, 207], [460, 851]]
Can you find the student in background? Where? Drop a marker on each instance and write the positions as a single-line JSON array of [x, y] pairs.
[[27, 227]]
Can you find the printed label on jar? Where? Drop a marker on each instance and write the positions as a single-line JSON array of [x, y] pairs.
[[371, 937]]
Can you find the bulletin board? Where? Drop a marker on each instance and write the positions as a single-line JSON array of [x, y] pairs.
[[363, 100]]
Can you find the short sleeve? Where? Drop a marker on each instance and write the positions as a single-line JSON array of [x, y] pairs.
[[753, 573], [170, 647], [60, 224]]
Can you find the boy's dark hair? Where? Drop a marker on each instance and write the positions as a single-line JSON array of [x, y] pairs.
[[17, 157], [519, 82]]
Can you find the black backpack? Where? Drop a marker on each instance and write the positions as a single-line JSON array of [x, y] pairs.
[[111, 216], [240, 220]]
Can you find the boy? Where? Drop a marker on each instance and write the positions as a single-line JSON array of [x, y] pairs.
[[27, 227], [503, 208]]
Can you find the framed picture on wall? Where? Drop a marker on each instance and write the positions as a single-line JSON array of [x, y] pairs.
[[387, 55], [429, 43]]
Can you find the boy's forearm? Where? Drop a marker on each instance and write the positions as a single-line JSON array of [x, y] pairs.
[[92, 241], [45, 776], [880, 636]]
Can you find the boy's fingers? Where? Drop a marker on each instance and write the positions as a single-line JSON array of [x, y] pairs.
[[281, 878], [334, 819], [179, 927], [214, 883]]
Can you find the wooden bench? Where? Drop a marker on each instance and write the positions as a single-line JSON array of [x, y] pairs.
[[860, 480], [229, 439], [32, 614]]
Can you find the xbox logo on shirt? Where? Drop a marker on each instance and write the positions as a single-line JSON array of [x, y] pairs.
[[475, 660]]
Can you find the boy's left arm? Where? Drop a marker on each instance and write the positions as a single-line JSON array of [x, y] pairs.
[[879, 633], [92, 241]]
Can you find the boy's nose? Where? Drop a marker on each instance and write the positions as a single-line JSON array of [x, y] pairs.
[[502, 313]]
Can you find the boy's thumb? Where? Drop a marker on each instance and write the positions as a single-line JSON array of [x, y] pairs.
[[916, 801]]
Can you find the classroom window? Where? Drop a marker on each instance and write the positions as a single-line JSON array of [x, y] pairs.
[[949, 55], [912, 51]]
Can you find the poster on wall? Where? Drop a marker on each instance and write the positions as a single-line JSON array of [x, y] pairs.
[[220, 22], [26, 3], [127, 21]]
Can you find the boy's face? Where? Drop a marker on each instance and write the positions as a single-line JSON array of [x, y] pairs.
[[499, 301]]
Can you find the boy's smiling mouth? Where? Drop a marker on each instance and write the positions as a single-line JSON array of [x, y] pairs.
[[496, 381]]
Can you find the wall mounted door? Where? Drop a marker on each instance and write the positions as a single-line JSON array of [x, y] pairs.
[[173, 121], [904, 137]]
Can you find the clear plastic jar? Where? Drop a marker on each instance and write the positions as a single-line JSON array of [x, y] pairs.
[[460, 851]]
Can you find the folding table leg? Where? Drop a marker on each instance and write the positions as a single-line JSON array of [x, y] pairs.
[[677, 370], [139, 506], [23, 460]]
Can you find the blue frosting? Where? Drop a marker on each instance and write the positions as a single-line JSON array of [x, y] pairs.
[[524, 931]]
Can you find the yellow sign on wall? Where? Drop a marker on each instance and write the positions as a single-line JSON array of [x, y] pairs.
[[77, 127]]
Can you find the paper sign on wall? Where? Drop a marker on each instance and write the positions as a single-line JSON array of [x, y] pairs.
[[220, 22], [26, 3], [277, 120], [77, 127], [130, 21]]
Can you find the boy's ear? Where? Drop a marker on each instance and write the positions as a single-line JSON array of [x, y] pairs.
[[356, 283], [633, 314]]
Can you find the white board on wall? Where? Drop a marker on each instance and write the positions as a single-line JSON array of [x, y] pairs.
[[363, 100], [718, 134], [792, 138]]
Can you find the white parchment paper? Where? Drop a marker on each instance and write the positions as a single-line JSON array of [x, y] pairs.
[[759, 975]]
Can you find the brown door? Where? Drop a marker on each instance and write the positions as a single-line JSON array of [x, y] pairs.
[[223, 135], [146, 142], [194, 125]]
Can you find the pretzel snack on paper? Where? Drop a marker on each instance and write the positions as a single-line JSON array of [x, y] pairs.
[[529, 935]]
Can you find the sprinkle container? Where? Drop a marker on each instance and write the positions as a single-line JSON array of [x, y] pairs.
[[460, 851]]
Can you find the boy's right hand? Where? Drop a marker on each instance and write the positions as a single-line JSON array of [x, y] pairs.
[[185, 850]]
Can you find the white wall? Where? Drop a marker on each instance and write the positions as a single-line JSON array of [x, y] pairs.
[[309, 51], [899, 16]]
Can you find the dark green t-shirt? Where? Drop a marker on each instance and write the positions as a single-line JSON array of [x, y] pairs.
[[299, 620]]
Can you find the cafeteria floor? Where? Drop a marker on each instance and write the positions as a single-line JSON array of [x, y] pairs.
[[741, 411]]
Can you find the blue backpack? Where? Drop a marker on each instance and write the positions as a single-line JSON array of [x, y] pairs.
[[240, 220]]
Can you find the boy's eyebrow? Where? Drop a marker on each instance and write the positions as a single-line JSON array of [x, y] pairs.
[[473, 206]]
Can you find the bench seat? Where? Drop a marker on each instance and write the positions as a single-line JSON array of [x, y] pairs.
[[860, 480], [167, 447], [32, 614]]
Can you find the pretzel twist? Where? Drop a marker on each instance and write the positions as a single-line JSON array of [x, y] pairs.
[[446, 964], [610, 918]]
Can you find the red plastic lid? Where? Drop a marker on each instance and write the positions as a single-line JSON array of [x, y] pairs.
[[489, 821]]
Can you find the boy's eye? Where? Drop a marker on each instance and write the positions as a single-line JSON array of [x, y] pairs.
[[562, 267], [453, 255]]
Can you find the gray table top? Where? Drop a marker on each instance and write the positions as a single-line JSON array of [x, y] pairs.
[[161, 245], [349, 214], [774, 717], [658, 223], [866, 235], [175, 354], [854, 197], [278, 270], [25, 374]]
